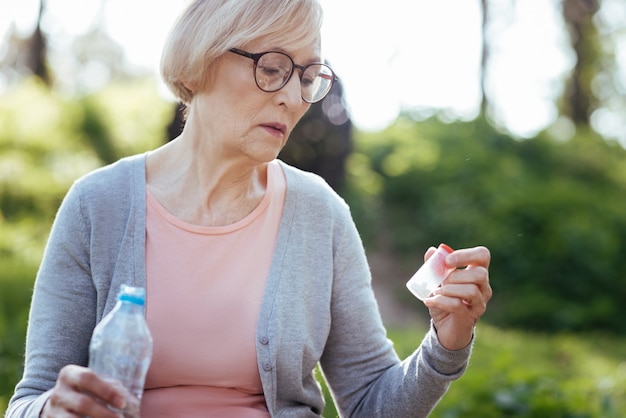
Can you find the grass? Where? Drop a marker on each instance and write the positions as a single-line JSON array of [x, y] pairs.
[[511, 373], [15, 292], [525, 374]]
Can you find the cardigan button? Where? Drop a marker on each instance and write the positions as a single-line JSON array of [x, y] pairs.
[[264, 340], [267, 366]]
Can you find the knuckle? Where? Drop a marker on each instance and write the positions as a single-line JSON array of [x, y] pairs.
[[84, 379], [482, 273], [83, 403], [56, 397], [485, 272], [65, 372], [478, 275]]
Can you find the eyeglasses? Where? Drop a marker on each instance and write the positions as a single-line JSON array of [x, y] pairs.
[[273, 69]]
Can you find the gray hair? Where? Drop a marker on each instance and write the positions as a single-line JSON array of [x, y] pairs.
[[206, 29]]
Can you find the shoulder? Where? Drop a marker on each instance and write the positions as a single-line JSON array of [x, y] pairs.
[[311, 188], [313, 206], [111, 187], [118, 174]]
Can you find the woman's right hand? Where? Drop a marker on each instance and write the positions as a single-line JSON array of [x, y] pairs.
[[80, 392]]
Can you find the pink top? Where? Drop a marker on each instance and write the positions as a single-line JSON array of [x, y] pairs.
[[204, 292]]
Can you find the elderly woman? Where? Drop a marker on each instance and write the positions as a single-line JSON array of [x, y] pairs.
[[254, 270]]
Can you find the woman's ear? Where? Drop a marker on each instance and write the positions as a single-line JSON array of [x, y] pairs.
[[190, 86], [183, 91]]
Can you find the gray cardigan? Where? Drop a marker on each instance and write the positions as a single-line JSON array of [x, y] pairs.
[[318, 305]]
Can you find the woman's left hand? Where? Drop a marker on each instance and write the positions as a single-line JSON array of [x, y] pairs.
[[456, 306]]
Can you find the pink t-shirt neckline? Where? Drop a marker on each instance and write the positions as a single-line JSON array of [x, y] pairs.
[[215, 230]]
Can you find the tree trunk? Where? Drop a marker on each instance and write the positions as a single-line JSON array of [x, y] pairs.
[[579, 99]]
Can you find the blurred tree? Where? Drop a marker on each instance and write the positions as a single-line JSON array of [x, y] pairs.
[[86, 64], [27, 55], [94, 61], [96, 131], [484, 58], [322, 140], [580, 101], [594, 90], [609, 85], [494, 17], [551, 212]]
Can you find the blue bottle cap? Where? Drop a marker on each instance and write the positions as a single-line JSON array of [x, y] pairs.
[[136, 295]]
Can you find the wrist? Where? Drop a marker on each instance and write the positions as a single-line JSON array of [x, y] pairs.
[[455, 341]]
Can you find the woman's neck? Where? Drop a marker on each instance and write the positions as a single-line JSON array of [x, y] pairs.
[[202, 187]]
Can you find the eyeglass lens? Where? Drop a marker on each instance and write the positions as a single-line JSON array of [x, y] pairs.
[[274, 69]]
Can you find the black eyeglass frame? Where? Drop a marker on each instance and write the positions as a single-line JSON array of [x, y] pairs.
[[256, 57]]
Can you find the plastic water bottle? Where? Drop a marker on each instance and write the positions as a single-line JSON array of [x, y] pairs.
[[121, 347]]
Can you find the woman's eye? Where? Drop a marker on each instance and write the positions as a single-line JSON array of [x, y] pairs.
[[307, 81], [271, 71]]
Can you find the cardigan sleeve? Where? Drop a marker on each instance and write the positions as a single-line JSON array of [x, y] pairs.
[[96, 243], [62, 312], [366, 377]]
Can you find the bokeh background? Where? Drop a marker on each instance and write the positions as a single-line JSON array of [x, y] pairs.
[[493, 122]]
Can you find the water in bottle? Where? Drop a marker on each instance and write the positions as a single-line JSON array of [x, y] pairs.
[[121, 347]]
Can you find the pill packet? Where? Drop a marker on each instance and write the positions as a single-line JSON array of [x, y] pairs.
[[431, 274]]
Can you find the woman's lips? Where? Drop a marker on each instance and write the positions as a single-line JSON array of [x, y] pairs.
[[275, 128]]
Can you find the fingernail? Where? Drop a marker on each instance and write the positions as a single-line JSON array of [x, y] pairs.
[[120, 402]]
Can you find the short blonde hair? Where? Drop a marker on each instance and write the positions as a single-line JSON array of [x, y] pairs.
[[206, 29]]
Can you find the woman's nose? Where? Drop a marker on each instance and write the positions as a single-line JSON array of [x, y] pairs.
[[291, 93]]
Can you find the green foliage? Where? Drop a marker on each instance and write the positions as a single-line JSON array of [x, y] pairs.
[[552, 214], [517, 374], [47, 141], [15, 293], [528, 375]]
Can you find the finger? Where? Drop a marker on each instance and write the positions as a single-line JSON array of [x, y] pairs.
[[59, 414], [477, 256], [477, 275], [76, 404], [470, 285], [51, 411], [463, 295], [97, 391], [429, 253], [105, 391]]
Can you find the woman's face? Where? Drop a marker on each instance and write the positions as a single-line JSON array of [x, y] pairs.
[[240, 118]]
